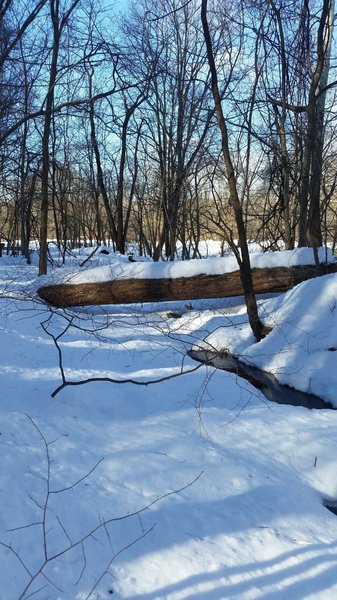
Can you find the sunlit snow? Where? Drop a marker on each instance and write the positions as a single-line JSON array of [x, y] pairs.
[[89, 479]]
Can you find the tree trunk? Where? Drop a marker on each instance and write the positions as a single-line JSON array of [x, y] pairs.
[[130, 291], [58, 26], [244, 261], [54, 10], [281, 121], [99, 169], [310, 231], [314, 231]]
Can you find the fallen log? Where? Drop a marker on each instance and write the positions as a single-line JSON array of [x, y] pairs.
[[130, 291]]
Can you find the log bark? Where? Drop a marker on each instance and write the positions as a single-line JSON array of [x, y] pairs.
[[129, 291]]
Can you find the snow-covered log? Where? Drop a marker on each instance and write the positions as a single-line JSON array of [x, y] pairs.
[[129, 291]]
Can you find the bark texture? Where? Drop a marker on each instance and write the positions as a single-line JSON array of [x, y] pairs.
[[129, 291]]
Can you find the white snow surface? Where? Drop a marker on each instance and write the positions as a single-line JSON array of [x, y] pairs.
[[301, 348], [121, 268], [90, 479]]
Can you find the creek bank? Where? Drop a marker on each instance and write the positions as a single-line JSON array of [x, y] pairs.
[[261, 380]]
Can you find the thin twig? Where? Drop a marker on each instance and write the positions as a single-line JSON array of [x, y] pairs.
[[102, 524]]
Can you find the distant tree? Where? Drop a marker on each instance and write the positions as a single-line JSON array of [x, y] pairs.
[[166, 46], [298, 41], [316, 121], [19, 65]]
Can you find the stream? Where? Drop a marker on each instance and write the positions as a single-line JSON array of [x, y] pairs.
[[263, 381]]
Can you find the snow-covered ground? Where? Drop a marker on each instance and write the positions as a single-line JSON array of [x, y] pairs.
[[90, 479], [118, 266]]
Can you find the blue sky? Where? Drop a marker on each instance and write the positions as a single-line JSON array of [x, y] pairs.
[[117, 4]]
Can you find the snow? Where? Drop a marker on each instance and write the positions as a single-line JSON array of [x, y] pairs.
[[249, 522], [121, 268], [301, 348]]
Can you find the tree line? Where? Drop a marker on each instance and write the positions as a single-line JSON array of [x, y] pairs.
[[119, 129]]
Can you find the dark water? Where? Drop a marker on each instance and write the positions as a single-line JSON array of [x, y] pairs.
[[265, 382], [331, 507]]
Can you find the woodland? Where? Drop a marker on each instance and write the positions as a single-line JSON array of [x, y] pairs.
[[167, 123], [156, 132]]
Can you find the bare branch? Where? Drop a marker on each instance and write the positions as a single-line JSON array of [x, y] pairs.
[[120, 381], [172, 12]]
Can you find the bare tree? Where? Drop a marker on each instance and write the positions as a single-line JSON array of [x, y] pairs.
[[168, 49], [304, 59], [243, 258], [316, 119], [59, 20]]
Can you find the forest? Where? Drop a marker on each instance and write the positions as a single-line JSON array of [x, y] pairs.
[[111, 131], [163, 436]]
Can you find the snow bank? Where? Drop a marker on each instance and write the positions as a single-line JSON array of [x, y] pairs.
[[301, 349], [118, 268]]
